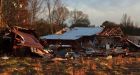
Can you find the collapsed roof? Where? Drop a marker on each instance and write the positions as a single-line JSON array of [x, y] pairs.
[[75, 33], [112, 31], [28, 40], [21, 41]]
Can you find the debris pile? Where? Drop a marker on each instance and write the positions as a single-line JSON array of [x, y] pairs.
[[21, 42]]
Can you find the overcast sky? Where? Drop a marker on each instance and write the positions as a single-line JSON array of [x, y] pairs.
[[101, 10]]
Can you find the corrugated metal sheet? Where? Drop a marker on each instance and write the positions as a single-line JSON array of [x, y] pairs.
[[55, 36], [28, 40], [75, 33], [135, 40], [133, 43]]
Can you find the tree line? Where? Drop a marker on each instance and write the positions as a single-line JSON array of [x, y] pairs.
[[27, 13], [54, 16]]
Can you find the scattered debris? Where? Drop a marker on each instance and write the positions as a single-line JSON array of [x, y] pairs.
[[97, 41], [59, 59], [109, 57], [96, 59], [5, 58]]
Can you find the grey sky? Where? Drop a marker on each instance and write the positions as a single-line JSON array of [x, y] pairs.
[[101, 10]]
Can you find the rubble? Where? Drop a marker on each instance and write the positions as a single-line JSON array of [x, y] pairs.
[[21, 42], [109, 57], [107, 41], [5, 58]]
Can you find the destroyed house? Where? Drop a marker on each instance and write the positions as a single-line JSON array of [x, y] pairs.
[[110, 37], [21, 42], [112, 31], [26, 39], [75, 37], [113, 36]]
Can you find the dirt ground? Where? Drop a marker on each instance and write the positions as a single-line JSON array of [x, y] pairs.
[[81, 66]]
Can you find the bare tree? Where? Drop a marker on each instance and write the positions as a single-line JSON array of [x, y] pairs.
[[35, 9], [126, 21], [78, 18], [76, 15], [60, 15], [14, 13], [51, 6], [128, 25], [2, 21]]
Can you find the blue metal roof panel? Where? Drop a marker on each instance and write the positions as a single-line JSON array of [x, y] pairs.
[[51, 37], [75, 33], [83, 31]]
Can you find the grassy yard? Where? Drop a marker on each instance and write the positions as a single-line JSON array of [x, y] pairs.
[[82, 66]]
